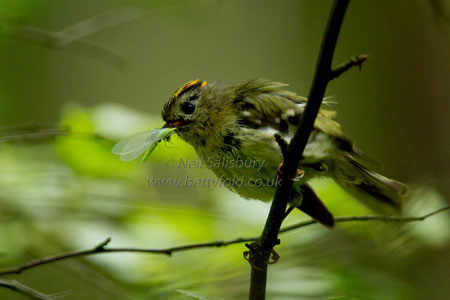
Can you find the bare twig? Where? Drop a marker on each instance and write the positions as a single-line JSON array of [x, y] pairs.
[[26, 290], [282, 143], [37, 133], [260, 255], [74, 34], [100, 22], [42, 135], [51, 39], [367, 218], [440, 11], [355, 61], [101, 247]]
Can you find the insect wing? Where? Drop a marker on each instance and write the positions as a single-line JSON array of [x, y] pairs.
[[131, 143], [162, 134], [131, 147]]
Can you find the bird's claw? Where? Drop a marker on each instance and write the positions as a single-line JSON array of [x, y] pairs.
[[299, 173], [252, 248], [274, 258], [248, 254]]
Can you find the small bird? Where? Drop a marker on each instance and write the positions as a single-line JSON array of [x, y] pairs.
[[238, 123]]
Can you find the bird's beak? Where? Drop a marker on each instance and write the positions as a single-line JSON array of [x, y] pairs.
[[176, 124], [167, 125]]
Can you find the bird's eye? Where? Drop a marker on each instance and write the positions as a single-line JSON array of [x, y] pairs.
[[188, 108]]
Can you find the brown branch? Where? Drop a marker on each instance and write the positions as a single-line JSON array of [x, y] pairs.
[[42, 135], [260, 253], [101, 248], [355, 61], [368, 218], [282, 143], [56, 40], [36, 133], [100, 22], [74, 34], [23, 289]]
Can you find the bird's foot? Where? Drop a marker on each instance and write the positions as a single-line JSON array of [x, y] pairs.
[[274, 258], [299, 173], [252, 248]]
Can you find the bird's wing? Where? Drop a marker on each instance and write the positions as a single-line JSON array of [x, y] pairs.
[[266, 105], [263, 103]]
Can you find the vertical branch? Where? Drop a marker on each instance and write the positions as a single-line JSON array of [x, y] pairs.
[[259, 255]]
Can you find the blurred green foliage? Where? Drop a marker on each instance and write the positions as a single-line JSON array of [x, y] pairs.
[[70, 191], [74, 192]]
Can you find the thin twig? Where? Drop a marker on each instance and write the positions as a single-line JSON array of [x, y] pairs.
[[26, 290], [282, 143], [42, 135], [367, 218], [49, 39], [260, 255], [355, 61], [100, 22], [74, 34], [101, 247]]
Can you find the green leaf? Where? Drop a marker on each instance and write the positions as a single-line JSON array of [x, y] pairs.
[[86, 154], [196, 295]]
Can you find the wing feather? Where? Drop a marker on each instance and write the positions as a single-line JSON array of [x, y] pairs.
[[262, 103]]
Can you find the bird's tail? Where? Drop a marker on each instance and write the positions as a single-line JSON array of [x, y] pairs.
[[372, 189], [311, 204]]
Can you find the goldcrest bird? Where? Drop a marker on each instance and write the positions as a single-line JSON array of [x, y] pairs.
[[238, 122]]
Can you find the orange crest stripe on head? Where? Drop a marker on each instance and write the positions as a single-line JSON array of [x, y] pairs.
[[187, 86]]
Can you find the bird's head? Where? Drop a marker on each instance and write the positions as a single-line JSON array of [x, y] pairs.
[[199, 111]]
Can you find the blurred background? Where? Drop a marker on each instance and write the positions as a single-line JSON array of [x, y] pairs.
[[79, 75]]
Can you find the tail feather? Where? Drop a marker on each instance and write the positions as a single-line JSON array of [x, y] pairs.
[[313, 206], [372, 189]]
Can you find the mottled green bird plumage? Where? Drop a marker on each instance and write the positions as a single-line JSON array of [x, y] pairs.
[[239, 122]]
